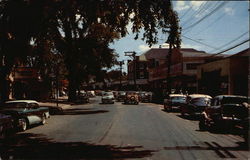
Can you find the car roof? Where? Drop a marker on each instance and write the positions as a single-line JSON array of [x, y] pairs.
[[22, 101], [199, 96], [175, 95], [231, 96]]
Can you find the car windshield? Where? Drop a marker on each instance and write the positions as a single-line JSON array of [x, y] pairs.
[[201, 101], [15, 105], [178, 98], [233, 100]]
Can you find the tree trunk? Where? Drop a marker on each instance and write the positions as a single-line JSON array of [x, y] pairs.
[[4, 85]]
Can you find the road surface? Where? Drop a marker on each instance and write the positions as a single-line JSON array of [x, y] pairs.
[[118, 131]]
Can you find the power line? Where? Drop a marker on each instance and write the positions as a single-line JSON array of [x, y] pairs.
[[200, 42], [223, 46], [206, 16], [245, 41], [201, 7]]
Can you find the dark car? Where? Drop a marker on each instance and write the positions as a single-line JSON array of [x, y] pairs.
[[195, 104], [145, 96], [226, 112], [6, 125], [131, 98], [121, 96], [174, 102], [82, 97], [25, 113]]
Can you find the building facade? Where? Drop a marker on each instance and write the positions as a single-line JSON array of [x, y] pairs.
[[229, 75]]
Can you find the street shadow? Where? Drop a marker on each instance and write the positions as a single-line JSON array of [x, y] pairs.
[[82, 112], [35, 146], [222, 152], [188, 117]]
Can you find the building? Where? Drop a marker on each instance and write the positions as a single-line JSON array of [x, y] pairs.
[[183, 69], [138, 73], [230, 75]]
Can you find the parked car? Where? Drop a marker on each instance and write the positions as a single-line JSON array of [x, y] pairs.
[[145, 96], [226, 112], [131, 98], [121, 96], [6, 125], [195, 104], [108, 97], [82, 97], [25, 113], [91, 93], [174, 102]]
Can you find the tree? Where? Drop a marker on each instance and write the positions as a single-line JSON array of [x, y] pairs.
[[81, 31]]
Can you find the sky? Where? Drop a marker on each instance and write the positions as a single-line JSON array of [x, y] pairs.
[[210, 26]]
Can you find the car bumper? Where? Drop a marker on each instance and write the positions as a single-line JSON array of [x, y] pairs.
[[108, 101]]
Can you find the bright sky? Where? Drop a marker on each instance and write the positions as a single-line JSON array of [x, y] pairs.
[[216, 25]]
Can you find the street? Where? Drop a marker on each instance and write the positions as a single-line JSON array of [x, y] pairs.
[[118, 131]]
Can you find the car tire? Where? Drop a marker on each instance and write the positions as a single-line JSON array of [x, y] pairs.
[[24, 124], [202, 124]]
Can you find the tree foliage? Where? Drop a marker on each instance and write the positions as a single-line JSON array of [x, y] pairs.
[[80, 31]]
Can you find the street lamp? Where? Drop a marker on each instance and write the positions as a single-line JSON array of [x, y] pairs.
[[132, 54]]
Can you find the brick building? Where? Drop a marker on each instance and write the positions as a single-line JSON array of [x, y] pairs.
[[138, 69]]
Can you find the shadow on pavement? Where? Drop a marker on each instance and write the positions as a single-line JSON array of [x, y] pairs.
[[192, 118], [35, 146], [82, 112], [222, 152]]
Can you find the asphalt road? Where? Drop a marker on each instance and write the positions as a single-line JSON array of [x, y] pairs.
[[117, 131]]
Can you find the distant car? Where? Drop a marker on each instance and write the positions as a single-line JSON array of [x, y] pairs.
[[82, 97], [91, 93], [121, 96], [195, 104], [25, 113], [131, 98], [145, 96], [174, 102], [108, 97], [6, 125], [226, 111]]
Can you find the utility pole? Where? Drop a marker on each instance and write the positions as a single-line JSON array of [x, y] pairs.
[[121, 63], [132, 54]]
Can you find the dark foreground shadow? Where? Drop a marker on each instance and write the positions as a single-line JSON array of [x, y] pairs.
[[82, 112], [221, 151], [191, 118], [34, 146]]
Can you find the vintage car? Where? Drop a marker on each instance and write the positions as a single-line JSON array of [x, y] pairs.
[[226, 112], [91, 93], [145, 96], [82, 97], [121, 96], [195, 104], [6, 125], [108, 97], [25, 113], [131, 98], [174, 102]]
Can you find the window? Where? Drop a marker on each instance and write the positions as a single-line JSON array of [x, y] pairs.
[[141, 75], [141, 66], [192, 66]]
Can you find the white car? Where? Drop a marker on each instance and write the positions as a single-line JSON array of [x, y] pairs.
[[108, 97]]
